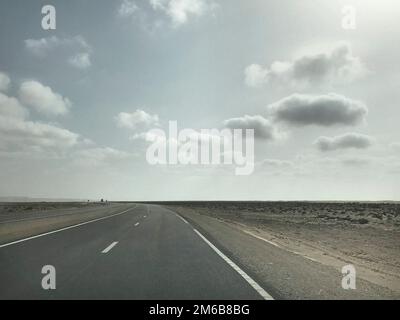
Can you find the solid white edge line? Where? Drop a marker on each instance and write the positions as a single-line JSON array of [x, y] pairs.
[[63, 229], [183, 219], [112, 245], [244, 275]]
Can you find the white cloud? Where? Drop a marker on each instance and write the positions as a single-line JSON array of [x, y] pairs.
[[255, 75], [77, 48], [180, 10], [322, 110], [31, 138], [337, 65], [263, 128], [43, 99], [23, 139], [153, 15], [10, 107], [127, 8], [80, 60], [19, 134], [148, 136], [137, 120], [4, 81], [345, 141], [41, 47]]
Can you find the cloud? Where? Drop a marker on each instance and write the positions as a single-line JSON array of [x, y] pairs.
[[255, 75], [263, 128], [80, 60], [41, 47], [77, 48], [180, 10], [43, 99], [21, 138], [4, 82], [322, 110], [137, 120], [148, 136], [19, 134], [32, 138], [127, 8], [337, 65], [345, 141], [153, 14], [10, 107], [356, 162]]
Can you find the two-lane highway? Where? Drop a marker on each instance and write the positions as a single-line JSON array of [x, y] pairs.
[[145, 252]]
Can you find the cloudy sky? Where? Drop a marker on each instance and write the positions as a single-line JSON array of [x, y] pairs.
[[76, 102]]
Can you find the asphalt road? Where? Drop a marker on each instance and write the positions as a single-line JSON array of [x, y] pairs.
[[146, 252]]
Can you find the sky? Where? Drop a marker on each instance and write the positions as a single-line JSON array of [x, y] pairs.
[[77, 102]]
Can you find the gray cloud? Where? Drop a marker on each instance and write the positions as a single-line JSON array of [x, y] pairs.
[[322, 110], [345, 141], [263, 128], [356, 162], [338, 65]]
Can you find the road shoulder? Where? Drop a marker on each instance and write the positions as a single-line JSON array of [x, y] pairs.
[[285, 274]]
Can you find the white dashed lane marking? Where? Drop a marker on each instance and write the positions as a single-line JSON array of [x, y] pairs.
[[112, 245]]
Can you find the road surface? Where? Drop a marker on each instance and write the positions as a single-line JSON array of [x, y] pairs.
[[143, 252]]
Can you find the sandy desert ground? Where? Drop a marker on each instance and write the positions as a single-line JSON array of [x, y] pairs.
[[20, 210], [365, 234]]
